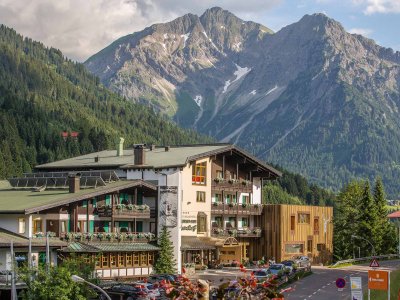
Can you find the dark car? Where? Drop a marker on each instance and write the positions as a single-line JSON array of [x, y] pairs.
[[290, 264], [160, 277], [129, 292], [261, 275]]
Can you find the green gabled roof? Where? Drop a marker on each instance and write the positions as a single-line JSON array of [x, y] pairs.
[[7, 236], [27, 201], [176, 156], [109, 247]]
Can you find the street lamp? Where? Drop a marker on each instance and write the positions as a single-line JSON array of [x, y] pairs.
[[359, 237], [76, 278]]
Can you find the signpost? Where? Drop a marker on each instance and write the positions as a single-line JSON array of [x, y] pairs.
[[356, 288], [340, 283], [378, 280]]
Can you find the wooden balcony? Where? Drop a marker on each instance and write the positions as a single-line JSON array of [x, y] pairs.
[[237, 232], [236, 209], [130, 237], [122, 211], [233, 184]]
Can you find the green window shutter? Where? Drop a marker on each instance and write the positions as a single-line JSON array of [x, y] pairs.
[[94, 202], [228, 199], [140, 198], [121, 197], [108, 199], [84, 203], [123, 224], [243, 199], [68, 225], [91, 226], [42, 257], [106, 226], [139, 226]]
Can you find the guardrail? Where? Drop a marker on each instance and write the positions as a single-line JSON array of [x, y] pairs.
[[362, 259]]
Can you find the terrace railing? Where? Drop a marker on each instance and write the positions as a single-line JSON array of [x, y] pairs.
[[236, 208]]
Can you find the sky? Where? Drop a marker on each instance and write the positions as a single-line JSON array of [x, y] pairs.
[[81, 28]]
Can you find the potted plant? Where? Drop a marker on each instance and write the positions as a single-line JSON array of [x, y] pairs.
[[130, 236], [215, 203], [109, 236], [120, 206], [130, 206], [244, 205], [230, 204], [100, 236]]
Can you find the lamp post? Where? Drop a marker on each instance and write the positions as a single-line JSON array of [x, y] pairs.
[[76, 278], [358, 237]]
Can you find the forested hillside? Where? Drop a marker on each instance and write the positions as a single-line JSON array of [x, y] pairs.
[[293, 188], [43, 94]]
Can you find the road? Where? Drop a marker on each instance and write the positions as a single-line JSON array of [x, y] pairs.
[[320, 285]]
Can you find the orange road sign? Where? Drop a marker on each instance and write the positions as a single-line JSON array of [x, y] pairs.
[[378, 280]]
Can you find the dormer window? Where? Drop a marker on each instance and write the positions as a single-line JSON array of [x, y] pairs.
[[199, 173]]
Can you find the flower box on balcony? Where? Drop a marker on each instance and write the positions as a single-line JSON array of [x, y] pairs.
[[230, 204], [244, 205], [215, 203]]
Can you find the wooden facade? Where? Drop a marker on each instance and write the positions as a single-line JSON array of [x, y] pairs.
[[292, 230]]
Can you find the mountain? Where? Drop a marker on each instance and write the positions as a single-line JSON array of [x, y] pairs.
[[43, 94], [311, 97]]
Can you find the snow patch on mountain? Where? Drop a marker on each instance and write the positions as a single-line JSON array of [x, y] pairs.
[[271, 90], [253, 92], [185, 38], [198, 99], [239, 73]]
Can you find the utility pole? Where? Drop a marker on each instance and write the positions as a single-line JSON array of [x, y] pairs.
[[13, 286]]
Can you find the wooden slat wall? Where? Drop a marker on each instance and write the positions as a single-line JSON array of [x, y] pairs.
[[277, 232]]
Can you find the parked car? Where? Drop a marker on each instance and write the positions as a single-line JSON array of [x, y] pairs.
[[290, 265], [261, 275], [302, 262], [130, 292], [160, 277], [276, 269]]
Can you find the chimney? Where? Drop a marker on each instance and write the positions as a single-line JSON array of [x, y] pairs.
[[139, 154], [120, 146], [74, 182], [167, 148]]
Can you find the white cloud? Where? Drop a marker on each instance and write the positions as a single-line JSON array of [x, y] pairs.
[[379, 6], [81, 28], [362, 31]]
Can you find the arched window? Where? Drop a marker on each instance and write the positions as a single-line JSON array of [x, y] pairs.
[[201, 222]]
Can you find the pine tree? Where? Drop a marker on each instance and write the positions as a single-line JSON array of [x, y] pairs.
[[367, 230], [165, 263], [385, 239]]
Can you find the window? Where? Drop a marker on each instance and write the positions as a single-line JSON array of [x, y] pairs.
[[246, 199], [37, 226], [245, 222], [316, 226], [21, 225], [292, 222], [82, 226], [232, 222], [228, 199], [94, 202], [104, 261], [113, 260], [309, 245], [218, 221], [121, 260], [84, 203], [321, 247], [143, 259], [136, 259], [217, 198], [220, 175], [200, 196], [199, 173], [97, 261], [151, 258], [304, 218], [64, 225], [201, 222], [129, 259], [294, 248]]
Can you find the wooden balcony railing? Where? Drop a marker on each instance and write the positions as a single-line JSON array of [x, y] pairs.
[[237, 232], [244, 185], [139, 237], [124, 211], [236, 208]]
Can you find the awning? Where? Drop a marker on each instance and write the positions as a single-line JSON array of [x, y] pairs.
[[109, 247], [196, 243]]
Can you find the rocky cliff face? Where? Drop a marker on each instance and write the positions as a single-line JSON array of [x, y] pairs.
[[310, 97]]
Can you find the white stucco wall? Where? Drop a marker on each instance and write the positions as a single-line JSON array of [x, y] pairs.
[[256, 190]]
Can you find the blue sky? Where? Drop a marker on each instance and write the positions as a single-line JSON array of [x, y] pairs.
[[82, 28]]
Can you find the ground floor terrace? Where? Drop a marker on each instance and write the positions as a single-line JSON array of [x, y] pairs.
[[115, 260]]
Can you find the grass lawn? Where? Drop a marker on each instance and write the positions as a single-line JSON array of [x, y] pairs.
[[394, 289]]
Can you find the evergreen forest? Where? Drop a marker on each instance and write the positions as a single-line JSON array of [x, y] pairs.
[[43, 94]]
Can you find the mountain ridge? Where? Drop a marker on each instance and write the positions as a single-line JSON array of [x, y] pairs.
[[310, 97]]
